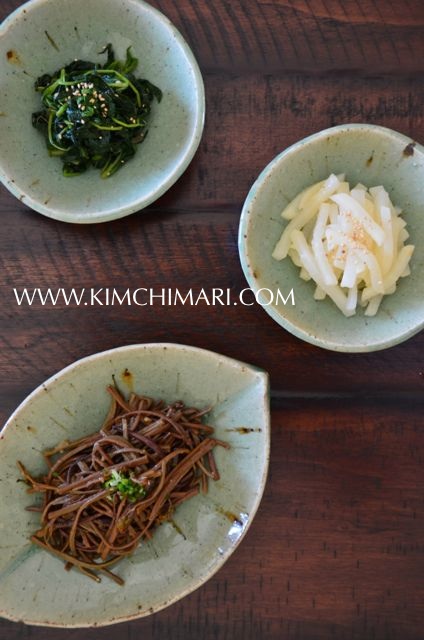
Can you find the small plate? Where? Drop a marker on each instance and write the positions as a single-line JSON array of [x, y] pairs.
[[368, 154], [41, 36], [34, 587]]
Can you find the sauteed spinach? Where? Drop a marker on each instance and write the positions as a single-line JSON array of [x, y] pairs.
[[94, 115]]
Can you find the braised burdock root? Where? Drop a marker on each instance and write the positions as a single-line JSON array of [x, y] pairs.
[[105, 493]]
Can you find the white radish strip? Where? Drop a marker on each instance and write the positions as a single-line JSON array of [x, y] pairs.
[[330, 186], [308, 212], [398, 224], [381, 197], [394, 274], [334, 212], [385, 253], [308, 193], [373, 306], [324, 266], [292, 208], [407, 272], [359, 196], [308, 230], [352, 299], [298, 202], [334, 292], [371, 210], [295, 257], [319, 294], [366, 278], [350, 243], [349, 275], [374, 271], [304, 274], [348, 204], [399, 267], [343, 188], [345, 222]]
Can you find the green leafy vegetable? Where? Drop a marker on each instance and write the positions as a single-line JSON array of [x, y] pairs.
[[125, 486], [94, 115]]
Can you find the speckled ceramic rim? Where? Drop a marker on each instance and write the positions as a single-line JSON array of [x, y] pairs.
[[244, 231], [171, 179], [259, 373]]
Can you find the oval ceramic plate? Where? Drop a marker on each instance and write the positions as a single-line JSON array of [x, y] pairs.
[[34, 587], [368, 154], [43, 35]]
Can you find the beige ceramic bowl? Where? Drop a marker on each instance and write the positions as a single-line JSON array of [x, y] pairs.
[[366, 153], [34, 587]]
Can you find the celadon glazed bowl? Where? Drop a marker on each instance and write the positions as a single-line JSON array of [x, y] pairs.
[[368, 154], [43, 35], [34, 587]]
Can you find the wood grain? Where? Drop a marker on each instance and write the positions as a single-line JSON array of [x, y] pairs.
[[336, 549], [154, 251], [303, 35]]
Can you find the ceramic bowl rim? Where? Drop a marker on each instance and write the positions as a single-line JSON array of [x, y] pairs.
[[191, 145], [266, 428], [244, 231]]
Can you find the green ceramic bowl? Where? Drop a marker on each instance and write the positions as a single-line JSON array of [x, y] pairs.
[[34, 587], [41, 36], [366, 153]]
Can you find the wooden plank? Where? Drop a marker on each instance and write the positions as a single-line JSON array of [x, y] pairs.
[[310, 36], [252, 118], [180, 251], [336, 549], [303, 35]]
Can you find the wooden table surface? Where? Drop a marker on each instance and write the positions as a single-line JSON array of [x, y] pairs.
[[337, 547]]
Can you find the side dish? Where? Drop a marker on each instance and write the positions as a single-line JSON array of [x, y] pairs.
[[350, 242], [94, 115], [105, 493]]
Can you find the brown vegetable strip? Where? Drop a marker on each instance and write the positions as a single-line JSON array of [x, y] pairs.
[[157, 455]]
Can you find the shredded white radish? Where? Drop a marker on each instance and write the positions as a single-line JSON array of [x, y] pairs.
[[350, 242]]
